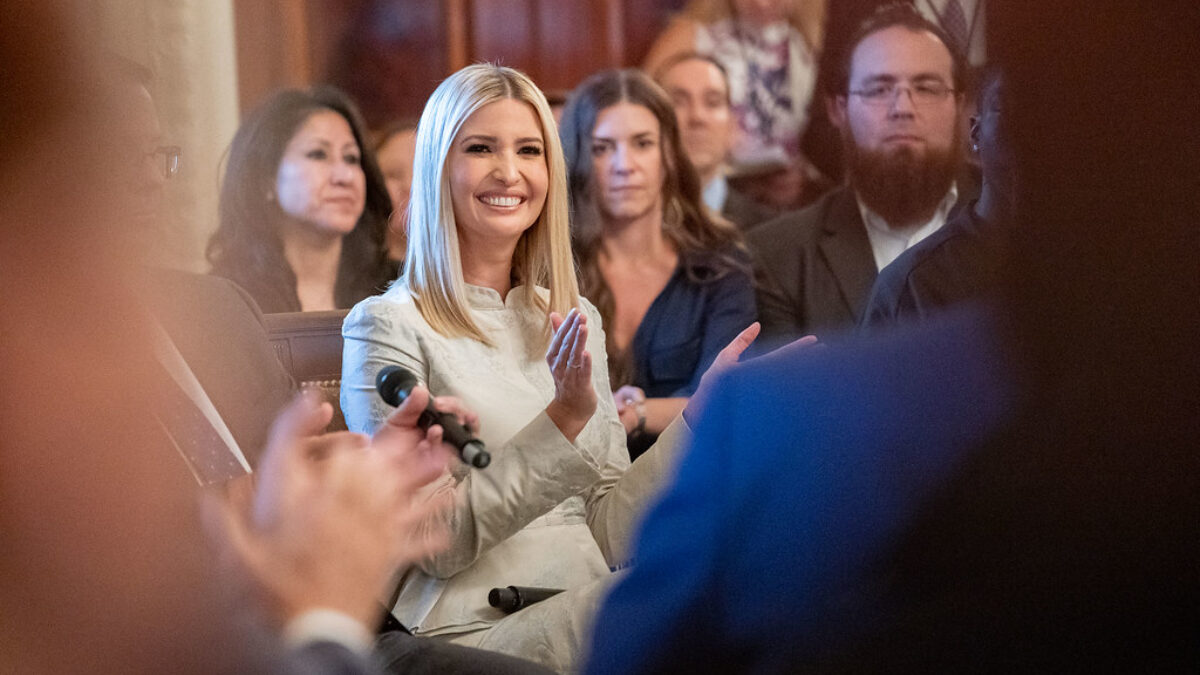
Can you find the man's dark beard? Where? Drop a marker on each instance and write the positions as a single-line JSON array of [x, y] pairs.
[[900, 185]]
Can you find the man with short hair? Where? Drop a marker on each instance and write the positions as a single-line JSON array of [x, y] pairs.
[[699, 90], [898, 115]]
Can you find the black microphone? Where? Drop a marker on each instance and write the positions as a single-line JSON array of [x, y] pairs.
[[394, 384], [512, 598]]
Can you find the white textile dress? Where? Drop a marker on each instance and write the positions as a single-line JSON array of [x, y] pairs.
[[545, 512]]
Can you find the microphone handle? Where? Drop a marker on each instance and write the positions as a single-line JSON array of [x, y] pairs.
[[470, 449]]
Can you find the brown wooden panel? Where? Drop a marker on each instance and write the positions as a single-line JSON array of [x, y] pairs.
[[503, 31], [574, 42], [271, 38], [458, 34], [391, 56], [328, 22], [642, 22]]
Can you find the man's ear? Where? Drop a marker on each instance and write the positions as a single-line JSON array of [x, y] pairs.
[[835, 108], [973, 133]]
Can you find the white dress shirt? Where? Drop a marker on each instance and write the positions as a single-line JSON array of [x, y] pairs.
[[887, 242], [716, 191]]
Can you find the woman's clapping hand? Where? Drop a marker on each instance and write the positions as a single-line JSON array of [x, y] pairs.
[[571, 366]]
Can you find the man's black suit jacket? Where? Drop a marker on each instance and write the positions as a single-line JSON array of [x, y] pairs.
[[814, 268], [744, 211], [218, 329], [958, 263]]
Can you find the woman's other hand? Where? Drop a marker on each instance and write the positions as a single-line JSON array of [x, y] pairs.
[[725, 360], [728, 357], [571, 365]]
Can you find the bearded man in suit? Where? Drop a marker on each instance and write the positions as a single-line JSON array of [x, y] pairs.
[[898, 113]]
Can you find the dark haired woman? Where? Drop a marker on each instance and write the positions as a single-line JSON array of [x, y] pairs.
[[670, 280], [304, 207]]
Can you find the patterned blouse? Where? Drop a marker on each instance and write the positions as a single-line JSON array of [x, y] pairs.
[[771, 72]]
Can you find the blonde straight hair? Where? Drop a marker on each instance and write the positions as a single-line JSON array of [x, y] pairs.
[[433, 263]]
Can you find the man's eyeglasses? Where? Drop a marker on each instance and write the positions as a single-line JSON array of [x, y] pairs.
[[921, 93], [166, 158]]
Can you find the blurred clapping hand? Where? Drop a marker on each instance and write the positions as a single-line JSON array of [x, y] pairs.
[[331, 518]]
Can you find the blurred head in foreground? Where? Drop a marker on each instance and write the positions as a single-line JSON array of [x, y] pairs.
[[102, 556]]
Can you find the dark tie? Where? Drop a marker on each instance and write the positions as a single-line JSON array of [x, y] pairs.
[[954, 22], [209, 456]]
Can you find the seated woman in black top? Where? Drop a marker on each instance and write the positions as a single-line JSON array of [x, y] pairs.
[[303, 206], [670, 280]]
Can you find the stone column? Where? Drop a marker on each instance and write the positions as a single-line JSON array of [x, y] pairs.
[[189, 46]]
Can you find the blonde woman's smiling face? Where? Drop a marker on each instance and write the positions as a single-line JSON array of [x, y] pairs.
[[498, 175]]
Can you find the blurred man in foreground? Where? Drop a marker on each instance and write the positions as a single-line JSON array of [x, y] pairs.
[[106, 568], [1010, 488]]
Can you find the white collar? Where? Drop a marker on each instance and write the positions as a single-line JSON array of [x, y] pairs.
[[876, 222], [716, 191], [887, 243]]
